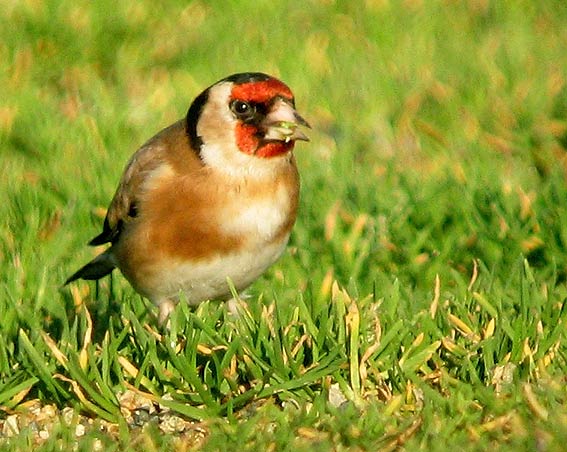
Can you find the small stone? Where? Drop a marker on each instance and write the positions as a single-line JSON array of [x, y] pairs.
[[336, 396], [97, 445], [68, 415], [141, 417], [47, 413], [163, 408], [80, 430], [172, 424], [10, 427]]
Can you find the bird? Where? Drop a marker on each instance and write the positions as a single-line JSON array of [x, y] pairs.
[[209, 201]]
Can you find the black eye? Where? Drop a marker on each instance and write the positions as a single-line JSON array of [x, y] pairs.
[[243, 110]]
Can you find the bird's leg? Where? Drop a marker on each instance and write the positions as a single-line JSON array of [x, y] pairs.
[[236, 305], [166, 307]]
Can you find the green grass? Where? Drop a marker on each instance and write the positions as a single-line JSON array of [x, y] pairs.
[[422, 301]]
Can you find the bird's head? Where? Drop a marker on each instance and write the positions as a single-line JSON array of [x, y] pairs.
[[244, 118]]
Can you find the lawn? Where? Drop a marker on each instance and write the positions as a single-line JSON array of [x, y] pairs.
[[422, 301]]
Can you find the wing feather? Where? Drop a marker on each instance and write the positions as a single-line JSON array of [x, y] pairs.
[[123, 206]]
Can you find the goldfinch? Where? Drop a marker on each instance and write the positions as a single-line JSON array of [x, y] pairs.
[[209, 199]]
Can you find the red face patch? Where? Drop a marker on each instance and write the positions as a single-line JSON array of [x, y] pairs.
[[249, 143], [246, 138], [261, 92]]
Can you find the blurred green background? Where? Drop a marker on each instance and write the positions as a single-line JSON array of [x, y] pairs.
[[437, 163]]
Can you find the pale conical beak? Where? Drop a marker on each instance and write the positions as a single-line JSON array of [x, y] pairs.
[[282, 123]]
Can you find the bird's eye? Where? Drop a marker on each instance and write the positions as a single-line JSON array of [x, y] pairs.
[[242, 109]]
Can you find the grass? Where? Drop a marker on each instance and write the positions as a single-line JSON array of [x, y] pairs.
[[422, 301]]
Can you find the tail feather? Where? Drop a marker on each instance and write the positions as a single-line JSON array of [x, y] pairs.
[[100, 266]]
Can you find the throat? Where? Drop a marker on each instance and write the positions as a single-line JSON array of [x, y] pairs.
[[273, 148]]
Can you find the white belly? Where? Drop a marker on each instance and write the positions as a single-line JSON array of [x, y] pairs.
[[207, 280]]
